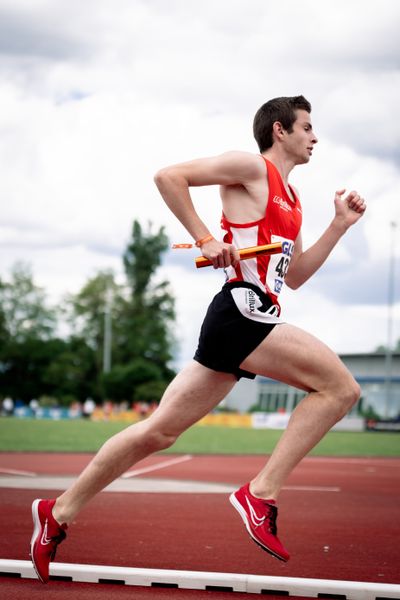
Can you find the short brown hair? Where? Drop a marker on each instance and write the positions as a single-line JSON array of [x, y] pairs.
[[278, 109]]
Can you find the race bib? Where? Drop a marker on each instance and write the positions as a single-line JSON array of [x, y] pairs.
[[279, 264]]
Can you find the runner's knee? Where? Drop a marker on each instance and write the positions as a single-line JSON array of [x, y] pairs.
[[349, 394], [158, 439], [353, 393]]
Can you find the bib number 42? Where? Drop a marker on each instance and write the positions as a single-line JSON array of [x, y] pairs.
[[282, 267]]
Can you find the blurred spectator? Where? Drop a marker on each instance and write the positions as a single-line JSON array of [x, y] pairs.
[[107, 409], [34, 405], [8, 406], [143, 409], [88, 407], [75, 410]]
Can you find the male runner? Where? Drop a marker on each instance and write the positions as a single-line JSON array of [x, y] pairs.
[[243, 333]]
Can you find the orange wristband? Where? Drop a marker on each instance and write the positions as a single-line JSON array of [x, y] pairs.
[[203, 240]]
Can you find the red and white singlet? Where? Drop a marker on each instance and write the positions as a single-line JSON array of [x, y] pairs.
[[281, 223]]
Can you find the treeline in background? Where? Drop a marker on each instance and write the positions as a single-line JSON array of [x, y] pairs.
[[119, 343]]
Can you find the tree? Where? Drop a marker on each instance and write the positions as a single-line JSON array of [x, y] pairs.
[[150, 391], [149, 309], [123, 380], [85, 311], [70, 374], [4, 335], [142, 311], [27, 327], [24, 313], [382, 349], [34, 361], [23, 363]]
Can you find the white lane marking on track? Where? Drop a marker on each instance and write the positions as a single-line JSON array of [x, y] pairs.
[[386, 461], [157, 466], [17, 472], [131, 485], [311, 488]]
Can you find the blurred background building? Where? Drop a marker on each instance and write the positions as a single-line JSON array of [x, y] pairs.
[[380, 398]]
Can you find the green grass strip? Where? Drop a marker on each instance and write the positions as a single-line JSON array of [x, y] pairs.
[[30, 435]]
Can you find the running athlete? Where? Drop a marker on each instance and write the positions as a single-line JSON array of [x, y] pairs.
[[243, 333]]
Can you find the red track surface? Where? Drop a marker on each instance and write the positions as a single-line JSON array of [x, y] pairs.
[[352, 534]]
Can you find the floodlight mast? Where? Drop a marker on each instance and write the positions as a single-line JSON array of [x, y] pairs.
[[389, 342], [107, 332]]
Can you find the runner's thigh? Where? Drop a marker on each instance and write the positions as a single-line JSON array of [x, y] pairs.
[[297, 358], [191, 395]]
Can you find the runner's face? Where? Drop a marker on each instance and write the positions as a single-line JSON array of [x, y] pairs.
[[300, 142]]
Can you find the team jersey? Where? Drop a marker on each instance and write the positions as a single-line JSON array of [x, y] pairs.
[[281, 223]]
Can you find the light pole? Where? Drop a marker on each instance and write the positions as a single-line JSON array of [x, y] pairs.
[[389, 343], [107, 332]]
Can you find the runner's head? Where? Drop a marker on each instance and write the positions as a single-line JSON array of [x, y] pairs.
[[278, 109]]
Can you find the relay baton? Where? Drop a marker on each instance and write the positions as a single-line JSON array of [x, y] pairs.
[[245, 253]]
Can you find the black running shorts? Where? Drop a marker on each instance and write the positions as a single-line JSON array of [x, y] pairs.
[[227, 337]]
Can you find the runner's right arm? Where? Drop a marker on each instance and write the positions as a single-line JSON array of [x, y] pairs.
[[174, 182]]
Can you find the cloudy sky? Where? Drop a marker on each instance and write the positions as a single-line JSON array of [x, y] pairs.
[[97, 95]]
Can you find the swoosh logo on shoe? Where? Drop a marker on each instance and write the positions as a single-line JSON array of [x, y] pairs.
[[256, 520], [45, 541]]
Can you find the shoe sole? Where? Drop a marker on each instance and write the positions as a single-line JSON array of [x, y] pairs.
[[36, 530], [236, 504]]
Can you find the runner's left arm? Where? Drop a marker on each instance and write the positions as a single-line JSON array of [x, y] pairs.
[[304, 264]]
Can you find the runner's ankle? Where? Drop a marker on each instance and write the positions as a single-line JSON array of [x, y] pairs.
[[263, 493], [59, 516]]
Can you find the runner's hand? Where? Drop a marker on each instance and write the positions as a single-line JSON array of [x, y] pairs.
[[221, 254], [350, 209]]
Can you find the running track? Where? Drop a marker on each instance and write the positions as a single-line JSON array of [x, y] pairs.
[[339, 518]]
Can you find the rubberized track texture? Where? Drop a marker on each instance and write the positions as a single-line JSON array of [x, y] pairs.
[[338, 517]]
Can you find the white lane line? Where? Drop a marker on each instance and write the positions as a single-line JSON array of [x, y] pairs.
[[15, 472], [157, 466], [132, 485], [311, 488], [382, 461], [137, 484]]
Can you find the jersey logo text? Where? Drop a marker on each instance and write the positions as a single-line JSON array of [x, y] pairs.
[[282, 203]]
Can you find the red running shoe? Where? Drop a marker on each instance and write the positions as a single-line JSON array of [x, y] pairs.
[[47, 534], [259, 516]]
